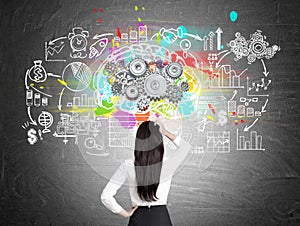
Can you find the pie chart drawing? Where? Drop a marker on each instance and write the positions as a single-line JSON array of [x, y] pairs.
[[77, 76]]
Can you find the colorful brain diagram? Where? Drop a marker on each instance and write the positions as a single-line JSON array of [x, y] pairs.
[[201, 86]]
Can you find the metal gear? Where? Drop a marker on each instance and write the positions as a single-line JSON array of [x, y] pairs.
[[143, 103], [184, 86], [110, 67], [174, 70], [174, 94], [116, 88], [113, 67], [137, 67], [123, 77], [155, 86], [132, 92]]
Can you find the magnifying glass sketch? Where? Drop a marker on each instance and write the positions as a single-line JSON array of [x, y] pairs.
[[90, 143]]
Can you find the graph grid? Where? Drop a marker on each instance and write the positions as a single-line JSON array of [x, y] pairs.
[[218, 141], [118, 135]]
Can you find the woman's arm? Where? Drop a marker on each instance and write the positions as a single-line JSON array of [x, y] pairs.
[[174, 161], [108, 193]]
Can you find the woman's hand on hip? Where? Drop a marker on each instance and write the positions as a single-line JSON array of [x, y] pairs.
[[128, 213]]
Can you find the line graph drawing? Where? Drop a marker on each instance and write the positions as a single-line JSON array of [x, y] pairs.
[[257, 87], [226, 78], [218, 141], [53, 48]]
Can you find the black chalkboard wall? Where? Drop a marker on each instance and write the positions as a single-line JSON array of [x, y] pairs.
[[51, 183]]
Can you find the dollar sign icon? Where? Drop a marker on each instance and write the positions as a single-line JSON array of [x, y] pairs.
[[222, 118], [32, 138]]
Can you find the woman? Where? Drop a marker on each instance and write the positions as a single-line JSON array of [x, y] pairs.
[[149, 176]]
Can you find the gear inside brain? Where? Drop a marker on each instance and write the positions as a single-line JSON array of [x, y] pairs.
[[143, 81]]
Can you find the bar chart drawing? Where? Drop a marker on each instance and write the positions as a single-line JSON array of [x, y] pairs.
[[218, 141], [231, 108], [235, 110], [254, 143], [82, 101], [226, 78], [133, 36]]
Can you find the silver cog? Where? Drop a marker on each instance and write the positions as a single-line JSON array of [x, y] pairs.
[[155, 86], [174, 94], [132, 92], [174, 70], [137, 67]]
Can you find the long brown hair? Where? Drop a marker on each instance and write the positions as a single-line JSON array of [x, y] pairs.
[[148, 154]]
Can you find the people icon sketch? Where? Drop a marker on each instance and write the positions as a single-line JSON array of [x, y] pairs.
[[149, 176]]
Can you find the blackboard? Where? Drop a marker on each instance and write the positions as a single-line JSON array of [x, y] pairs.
[[50, 183]]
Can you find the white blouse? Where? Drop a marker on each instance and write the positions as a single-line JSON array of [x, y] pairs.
[[127, 171]]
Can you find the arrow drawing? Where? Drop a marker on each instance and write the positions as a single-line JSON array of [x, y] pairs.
[[265, 69], [196, 37], [48, 95], [218, 63], [99, 36], [59, 100], [33, 122], [205, 39], [248, 127], [55, 40], [219, 34], [224, 51], [234, 94], [53, 75], [263, 109], [211, 40], [26, 77]]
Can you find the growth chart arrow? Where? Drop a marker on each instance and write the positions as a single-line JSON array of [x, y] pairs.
[[219, 34], [248, 127]]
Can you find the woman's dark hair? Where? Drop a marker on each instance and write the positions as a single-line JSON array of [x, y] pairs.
[[148, 154]]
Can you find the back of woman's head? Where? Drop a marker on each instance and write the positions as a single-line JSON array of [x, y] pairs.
[[148, 153]]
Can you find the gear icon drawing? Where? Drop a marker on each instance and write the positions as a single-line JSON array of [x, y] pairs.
[[155, 86], [174, 70], [255, 48], [137, 67], [174, 94]]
